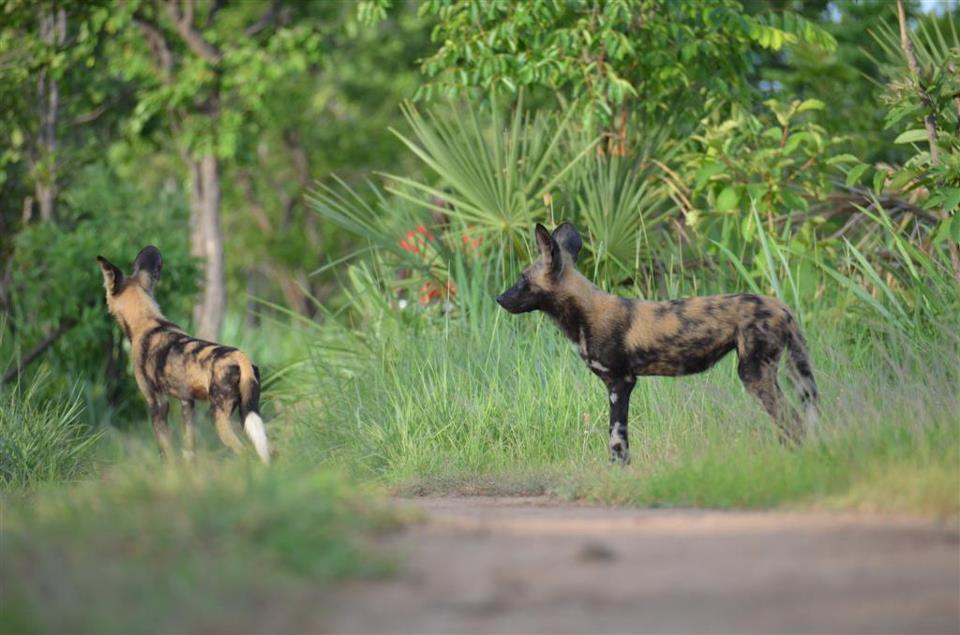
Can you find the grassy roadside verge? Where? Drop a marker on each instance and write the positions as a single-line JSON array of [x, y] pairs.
[[148, 547], [505, 407]]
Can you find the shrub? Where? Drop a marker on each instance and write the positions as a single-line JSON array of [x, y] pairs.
[[42, 439]]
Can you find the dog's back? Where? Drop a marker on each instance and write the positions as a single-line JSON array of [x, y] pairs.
[[169, 363]]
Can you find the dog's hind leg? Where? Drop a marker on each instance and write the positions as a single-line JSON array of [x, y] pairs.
[[801, 375], [767, 391], [759, 361], [224, 397], [221, 418], [189, 429]]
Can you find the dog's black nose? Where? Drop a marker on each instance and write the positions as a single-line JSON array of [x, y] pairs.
[[500, 299]]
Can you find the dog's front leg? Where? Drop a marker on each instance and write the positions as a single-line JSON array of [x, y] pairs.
[[619, 410], [159, 407]]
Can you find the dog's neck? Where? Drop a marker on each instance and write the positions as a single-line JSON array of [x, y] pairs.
[[571, 309], [138, 317]]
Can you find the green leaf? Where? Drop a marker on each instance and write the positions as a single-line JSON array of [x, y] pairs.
[[795, 200], [853, 176], [951, 198], [773, 133], [811, 104], [879, 178], [902, 178], [912, 136], [708, 170], [728, 199], [842, 158], [944, 230]]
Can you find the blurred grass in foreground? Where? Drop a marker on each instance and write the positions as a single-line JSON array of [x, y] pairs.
[[154, 548]]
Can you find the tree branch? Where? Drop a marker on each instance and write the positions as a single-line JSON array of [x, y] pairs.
[[183, 22], [930, 121], [87, 117], [12, 373], [267, 19], [159, 48], [245, 180], [215, 7]]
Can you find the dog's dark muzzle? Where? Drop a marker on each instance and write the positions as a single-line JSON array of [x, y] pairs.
[[514, 301]]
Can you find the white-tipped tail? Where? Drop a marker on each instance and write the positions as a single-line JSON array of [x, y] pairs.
[[253, 426]]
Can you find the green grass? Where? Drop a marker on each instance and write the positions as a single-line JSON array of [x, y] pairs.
[[99, 535], [42, 440], [500, 404], [150, 547]]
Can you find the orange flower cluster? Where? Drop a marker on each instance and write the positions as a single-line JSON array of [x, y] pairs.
[[431, 290], [417, 241], [470, 245]]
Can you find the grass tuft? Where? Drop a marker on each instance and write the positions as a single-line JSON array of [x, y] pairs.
[[42, 439]]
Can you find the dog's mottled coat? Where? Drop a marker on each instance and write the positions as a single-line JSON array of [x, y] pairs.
[[169, 363], [621, 339]]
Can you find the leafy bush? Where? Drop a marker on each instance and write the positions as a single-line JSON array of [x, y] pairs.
[[56, 284], [610, 58], [493, 177], [775, 160], [921, 112]]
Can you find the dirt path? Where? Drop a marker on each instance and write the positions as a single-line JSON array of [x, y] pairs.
[[530, 565]]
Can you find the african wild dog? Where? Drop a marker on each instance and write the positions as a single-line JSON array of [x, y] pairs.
[[168, 362], [620, 339]]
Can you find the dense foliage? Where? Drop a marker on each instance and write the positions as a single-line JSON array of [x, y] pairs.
[[343, 187], [268, 148]]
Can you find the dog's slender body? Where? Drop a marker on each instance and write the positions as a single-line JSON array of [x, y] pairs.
[[169, 363], [620, 339]]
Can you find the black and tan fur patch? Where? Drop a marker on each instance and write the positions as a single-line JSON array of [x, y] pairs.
[[621, 339], [169, 363]]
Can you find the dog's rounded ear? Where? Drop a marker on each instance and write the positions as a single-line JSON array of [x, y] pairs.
[[543, 240], [569, 239], [112, 276], [549, 250], [147, 267]]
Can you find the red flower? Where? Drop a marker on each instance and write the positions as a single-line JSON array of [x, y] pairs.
[[470, 244], [431, 291]]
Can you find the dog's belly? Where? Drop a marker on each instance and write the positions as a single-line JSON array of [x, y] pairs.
[[678, 362], [195, 391]]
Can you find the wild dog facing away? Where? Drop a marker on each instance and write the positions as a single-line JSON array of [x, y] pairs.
[[621, 339], [169, 363]]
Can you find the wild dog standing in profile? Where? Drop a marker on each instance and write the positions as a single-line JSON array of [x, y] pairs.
[[620, 339], [169, 363]]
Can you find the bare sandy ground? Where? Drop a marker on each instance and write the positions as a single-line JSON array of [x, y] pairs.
[[531, 565]]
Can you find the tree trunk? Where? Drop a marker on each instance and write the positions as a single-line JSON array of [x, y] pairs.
[[53, 32], [206, 243]]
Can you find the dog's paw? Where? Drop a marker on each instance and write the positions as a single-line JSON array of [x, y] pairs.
[[619, 455]]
